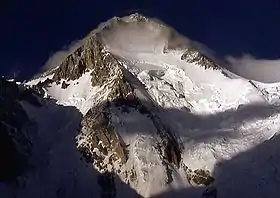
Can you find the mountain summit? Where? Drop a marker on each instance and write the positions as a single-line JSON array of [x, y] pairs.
[[137, 110]]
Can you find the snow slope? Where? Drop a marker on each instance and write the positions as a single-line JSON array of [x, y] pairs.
[[228, 116]]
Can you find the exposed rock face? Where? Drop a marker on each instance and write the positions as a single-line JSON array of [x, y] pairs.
[[192, 55], [72, 68], [90, 56], [100, 145], [39, 88], [64, 85], [104, 65], [15, 146], [200, 176]]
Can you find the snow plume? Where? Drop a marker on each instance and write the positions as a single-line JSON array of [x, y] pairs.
[[147, 36], [56, 58], [249, 67], [151, 35], [135, 36]]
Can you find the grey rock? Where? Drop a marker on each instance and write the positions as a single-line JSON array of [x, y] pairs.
[[192, 55]]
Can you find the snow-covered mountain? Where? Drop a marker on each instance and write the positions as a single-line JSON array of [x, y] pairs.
[[139, 111]]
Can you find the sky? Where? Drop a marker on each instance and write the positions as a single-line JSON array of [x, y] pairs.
[[31, 30]]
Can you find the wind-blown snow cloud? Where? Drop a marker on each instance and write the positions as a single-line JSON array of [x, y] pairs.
[[146, 36], [150, 36], [267, 71], [155, 36], [59, 56]]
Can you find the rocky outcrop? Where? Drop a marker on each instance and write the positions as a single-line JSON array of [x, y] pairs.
[[64, 85], [90, 56], [98, 141], [72, 68], [200, 176], [192, 55], [39, 87], [87, 57]]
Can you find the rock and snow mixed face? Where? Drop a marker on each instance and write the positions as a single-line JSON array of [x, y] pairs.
[[148, 114]]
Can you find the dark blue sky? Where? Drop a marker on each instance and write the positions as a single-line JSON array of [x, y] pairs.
[[31, 30]]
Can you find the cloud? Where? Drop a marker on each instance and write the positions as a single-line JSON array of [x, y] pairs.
[[156, 35], [148, 37], [59, 56], [249, 67]]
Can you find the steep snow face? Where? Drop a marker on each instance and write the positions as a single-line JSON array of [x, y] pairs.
[[207, 91], [78, 93], [270, 91]]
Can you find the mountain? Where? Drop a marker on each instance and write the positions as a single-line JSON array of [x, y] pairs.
[[137, 110]]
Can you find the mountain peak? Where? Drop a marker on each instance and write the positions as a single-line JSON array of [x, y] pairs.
[[135, 17], [137, 110], [134, 30]]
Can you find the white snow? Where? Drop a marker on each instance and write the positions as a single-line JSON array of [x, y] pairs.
[[39, 79], [271, 91], [206, 89], [79, 93]]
